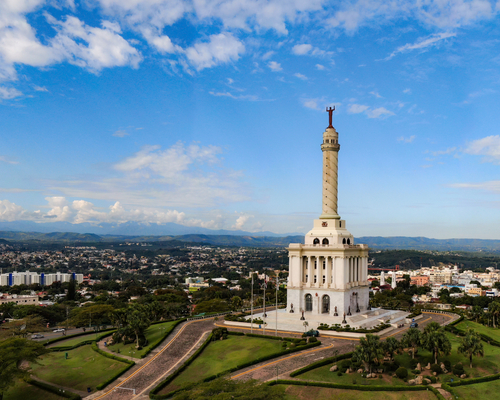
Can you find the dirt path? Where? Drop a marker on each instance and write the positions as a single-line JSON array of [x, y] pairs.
[[179, 345]]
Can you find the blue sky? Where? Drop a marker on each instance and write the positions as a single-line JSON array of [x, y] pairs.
[[211, 112]]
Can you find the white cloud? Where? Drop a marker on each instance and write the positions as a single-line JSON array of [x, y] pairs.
[[275, 66], [449, 150], [490, 186], [357, 108], [422, 43], [40, 88], [444, 14], [407, 91], [300, 76], [242, 220], [9, 93], [320, 67], [220, 49], [236, 97], [11, 212], [301, 49], [311, 103], [59, 209], [376, 94], [121, 133], [406, 139], [7, 160], [379, 112], [489, 147]]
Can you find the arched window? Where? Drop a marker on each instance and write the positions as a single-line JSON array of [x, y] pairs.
[[343, 241], [325, 241], [348, 241], [326, 304], [316, 241], [309, 302]]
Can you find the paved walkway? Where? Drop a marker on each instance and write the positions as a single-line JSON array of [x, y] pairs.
[[143, 377]]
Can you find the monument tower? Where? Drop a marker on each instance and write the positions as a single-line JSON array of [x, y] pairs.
[[328, 273]]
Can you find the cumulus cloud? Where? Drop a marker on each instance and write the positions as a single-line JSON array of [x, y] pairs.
[[488, 147], [368, 111], [301, 49], [311, 103], [406, 139], [220, 49], [274, 66], [241, 221], [300, 76], [121, 133], [9, 93], [11, 212]]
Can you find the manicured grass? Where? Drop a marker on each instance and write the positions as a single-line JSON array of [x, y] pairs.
[[84, 367], [485, 390], [222, 355], [25, 391], [493, 333], [153, 333], [77, 340], [293, 392]]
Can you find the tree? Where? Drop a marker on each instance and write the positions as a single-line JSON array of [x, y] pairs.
[[236, 303], [369, 350], [13, 352], [470, 345], [138, 321], [435, 340], [494, 309], [476, 312], [412, 339], [391, 345]]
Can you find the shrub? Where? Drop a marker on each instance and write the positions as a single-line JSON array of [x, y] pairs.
[[339, 373], [413, 363], [344, 364], [432, 378], [380, 377], [436, 368], [402, 373], [415, 371], [447, 364], [312, 339], [458, 369]]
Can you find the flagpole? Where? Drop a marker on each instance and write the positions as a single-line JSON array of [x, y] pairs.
[[251, 307], [264, 324]]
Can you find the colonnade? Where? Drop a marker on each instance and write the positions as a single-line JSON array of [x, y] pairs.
[[331, 271]]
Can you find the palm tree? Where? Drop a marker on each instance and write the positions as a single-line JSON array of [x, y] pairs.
[[435, 340], [369, 350], [390, 346], [471, 345], [476, 312], [494, 309], [412, 339]]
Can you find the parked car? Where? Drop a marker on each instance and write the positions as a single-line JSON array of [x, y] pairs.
[[312, 332], [37, 336], [59, 330], [414, 325]]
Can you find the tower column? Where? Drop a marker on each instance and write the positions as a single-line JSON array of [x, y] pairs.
[[328, 272], [309, 271]]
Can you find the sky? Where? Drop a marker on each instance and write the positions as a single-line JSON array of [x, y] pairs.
[[210, 113]]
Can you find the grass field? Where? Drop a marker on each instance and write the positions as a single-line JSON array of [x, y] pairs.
[[485, 390], [491, 332], [293, 392], [83, 368], [25, 391], [221, 355], [153, 333], [75, 341]]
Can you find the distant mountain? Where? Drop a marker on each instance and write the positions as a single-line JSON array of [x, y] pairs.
[[423, 243], [127, 229]]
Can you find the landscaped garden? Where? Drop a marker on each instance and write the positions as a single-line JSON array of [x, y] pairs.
[[222, 355], [83, 368], [153, 334]]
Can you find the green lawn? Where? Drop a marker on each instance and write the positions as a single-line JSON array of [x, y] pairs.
[[25, 391], [153, 333], [75, 341], [222, 355], [494, 333], [83, 368], [293, 392], [485, 390]]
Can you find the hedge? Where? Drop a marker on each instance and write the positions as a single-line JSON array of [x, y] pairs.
[[154, 345], [471, 381], [53, 389], [365, 388], [320, 363], [112, 356], [436, 392], [153, 394]]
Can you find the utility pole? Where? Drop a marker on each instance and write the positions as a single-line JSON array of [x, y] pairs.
[[251, 308], [264, 324]]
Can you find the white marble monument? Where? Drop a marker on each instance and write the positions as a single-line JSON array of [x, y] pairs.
[[328, 273]]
